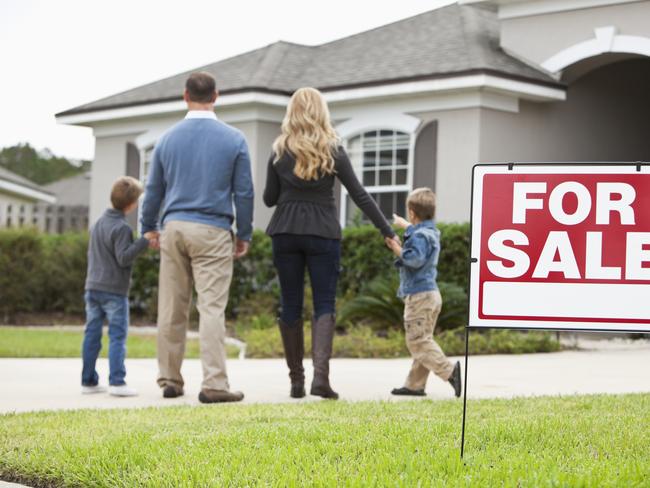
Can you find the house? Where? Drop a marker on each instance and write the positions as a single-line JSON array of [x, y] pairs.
[[20, 199], [72, 200], [419, 101]]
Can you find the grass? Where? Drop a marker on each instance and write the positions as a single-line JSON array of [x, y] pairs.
[[22, 342], [265, 342], [553, 441]]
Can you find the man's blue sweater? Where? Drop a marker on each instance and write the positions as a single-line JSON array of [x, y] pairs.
[[199, 168]]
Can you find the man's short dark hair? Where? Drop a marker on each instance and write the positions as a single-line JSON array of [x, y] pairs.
[[200, 87]]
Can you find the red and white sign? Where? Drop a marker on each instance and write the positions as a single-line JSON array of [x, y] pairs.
[[561, 247]]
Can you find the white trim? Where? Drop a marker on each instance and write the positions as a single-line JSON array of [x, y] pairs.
[[605, 41], [26, 192], [171, 107], [370, 120], [491, 84], [523, 89], [511, 9]]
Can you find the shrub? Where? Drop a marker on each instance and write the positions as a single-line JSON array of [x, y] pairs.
[[378, 305], [21, 259], [64, 273], [453, 264], [45, 273], [363, 342]]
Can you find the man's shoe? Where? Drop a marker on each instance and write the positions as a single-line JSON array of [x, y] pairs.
[[122, 391], [455, 380], [171, 391], [89, 390], [220, 396], [407, 392], [297, 390]]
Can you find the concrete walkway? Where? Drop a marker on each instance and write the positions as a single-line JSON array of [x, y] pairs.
[[45, 384]]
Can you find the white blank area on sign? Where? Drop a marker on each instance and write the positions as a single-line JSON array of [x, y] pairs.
[[566, 300]]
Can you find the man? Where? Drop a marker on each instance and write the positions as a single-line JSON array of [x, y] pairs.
[[199, 167]]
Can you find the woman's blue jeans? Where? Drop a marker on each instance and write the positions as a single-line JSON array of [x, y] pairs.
[[292, 254], [101, 305]]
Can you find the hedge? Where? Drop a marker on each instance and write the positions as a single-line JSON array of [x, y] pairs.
[[42, 273]]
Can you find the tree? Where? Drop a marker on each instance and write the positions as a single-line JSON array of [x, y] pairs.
[[40, 167]]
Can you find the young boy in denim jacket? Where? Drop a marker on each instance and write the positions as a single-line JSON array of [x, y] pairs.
[[417, 261], [111, 253]]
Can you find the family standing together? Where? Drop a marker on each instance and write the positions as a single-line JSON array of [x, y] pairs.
[[200, 169]]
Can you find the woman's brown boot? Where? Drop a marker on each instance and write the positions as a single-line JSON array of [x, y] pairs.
[[322, 337], [294, 351]]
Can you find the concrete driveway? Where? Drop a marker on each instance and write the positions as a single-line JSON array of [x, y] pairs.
[[46, 384]]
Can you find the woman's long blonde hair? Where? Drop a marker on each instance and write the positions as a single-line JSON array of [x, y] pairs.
[[308, 135]]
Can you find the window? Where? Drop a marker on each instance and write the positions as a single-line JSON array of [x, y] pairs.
[[381, 160], [147, 157]]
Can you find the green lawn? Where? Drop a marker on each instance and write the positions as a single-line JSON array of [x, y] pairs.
[[22, 342], [265, 342], [567, 441]]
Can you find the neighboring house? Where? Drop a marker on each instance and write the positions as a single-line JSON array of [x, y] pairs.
[[19, 200], [420, 101], [71, 210]]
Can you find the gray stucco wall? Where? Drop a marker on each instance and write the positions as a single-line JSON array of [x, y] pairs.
[[605, 118], [260, 136], [536, 38], [108, 165], [457, 152]]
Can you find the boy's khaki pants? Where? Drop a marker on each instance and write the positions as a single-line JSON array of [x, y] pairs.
[[199, 254], [421, 312]]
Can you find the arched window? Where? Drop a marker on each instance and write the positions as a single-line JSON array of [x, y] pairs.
[[381, 159]]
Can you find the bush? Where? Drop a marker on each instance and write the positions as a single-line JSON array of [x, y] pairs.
[[378, 305], [453, 264], [21, 260], [45, 273], [363, 342]]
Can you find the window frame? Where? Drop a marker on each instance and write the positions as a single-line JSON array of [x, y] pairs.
[[410, 169]]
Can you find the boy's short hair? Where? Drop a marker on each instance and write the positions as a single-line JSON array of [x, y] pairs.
[[422, 201], [126, 190]]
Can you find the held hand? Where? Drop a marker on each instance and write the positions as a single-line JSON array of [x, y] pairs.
[[400, 222], [394, 245], [241, 248], [154, 239]]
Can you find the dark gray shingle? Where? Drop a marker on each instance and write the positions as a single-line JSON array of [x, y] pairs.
[[450, 40]]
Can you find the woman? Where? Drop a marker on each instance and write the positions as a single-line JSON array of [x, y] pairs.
[[305, 229]]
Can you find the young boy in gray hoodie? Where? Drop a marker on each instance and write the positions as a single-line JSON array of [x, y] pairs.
[[111, 253], [417, 261]]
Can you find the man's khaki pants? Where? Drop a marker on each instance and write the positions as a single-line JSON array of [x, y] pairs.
[[421, 312], [203, 255]]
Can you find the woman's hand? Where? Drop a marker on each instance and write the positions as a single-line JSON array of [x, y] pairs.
[[400, 222], [393, 243]]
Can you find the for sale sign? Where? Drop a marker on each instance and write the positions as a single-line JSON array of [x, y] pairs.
[[561, 247]]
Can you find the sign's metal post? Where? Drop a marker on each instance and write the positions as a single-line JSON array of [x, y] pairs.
[[462, 436]]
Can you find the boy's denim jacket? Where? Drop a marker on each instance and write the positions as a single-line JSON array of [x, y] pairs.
[[419, 261]]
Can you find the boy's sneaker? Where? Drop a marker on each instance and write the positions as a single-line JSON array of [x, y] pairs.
[[89, 390], [122, 391], [407, 392], [455, 380]]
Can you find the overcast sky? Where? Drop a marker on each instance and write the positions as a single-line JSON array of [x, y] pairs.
[[55, 55]]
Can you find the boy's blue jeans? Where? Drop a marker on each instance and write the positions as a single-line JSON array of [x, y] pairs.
[[101, 305]]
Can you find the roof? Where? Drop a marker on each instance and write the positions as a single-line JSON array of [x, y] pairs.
[[22, 186], [72, 191], [449, 41]]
